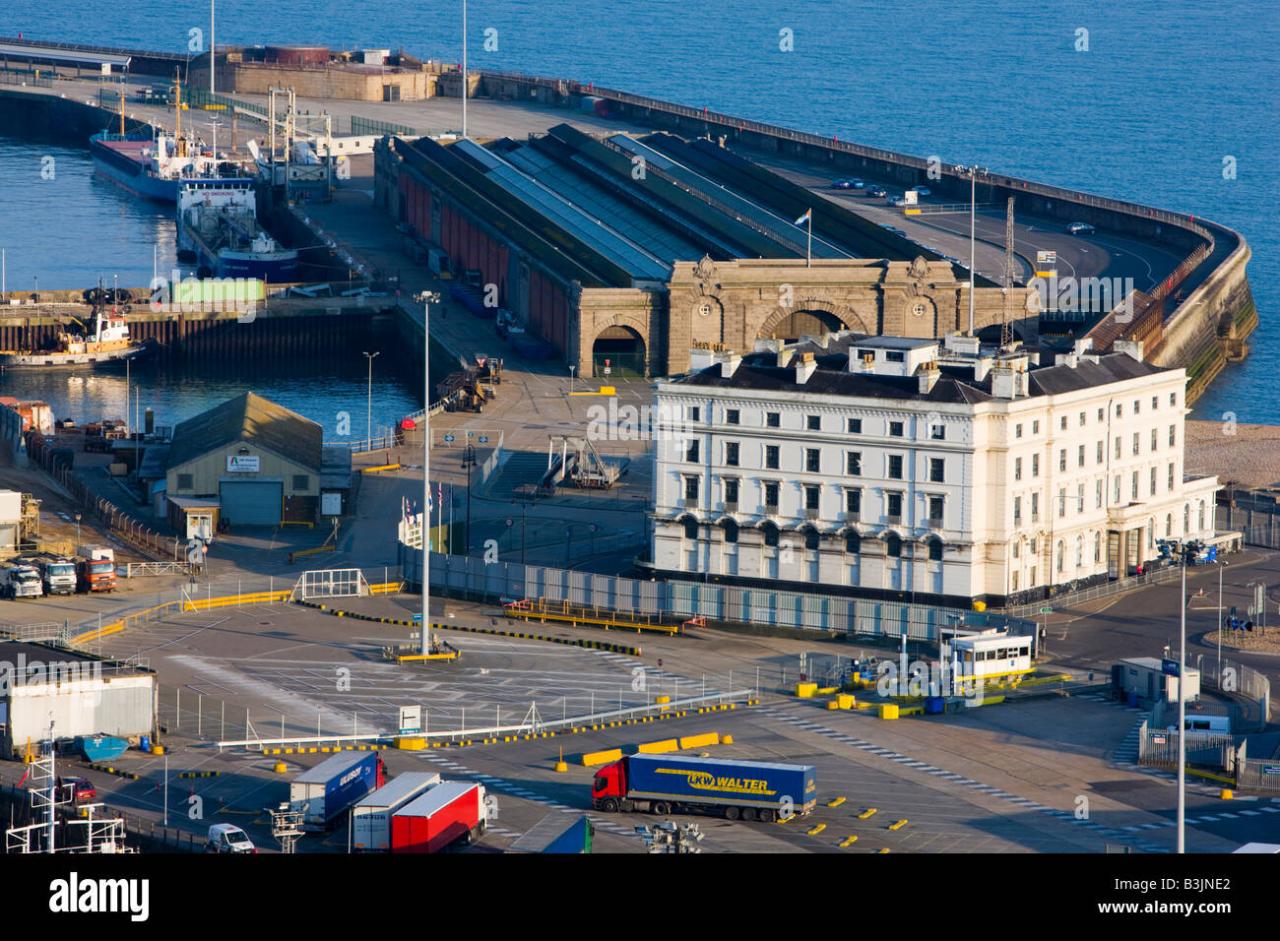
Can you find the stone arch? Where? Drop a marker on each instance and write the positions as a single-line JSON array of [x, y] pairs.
[[623, 346], [832, 316]]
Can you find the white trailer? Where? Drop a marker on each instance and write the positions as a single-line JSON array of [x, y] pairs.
[[371, 815]]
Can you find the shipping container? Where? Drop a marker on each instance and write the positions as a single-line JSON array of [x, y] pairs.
[[449, 812], [665, 784], [371, 815], [334, 785], [557, 833]]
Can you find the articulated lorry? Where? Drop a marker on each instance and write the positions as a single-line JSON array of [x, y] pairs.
[[334, 785], [450, 812], [96, 566], [665, 784]]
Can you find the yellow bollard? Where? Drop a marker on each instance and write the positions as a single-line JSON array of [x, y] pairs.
[[280, 768], [726, 739], [1227, 794]]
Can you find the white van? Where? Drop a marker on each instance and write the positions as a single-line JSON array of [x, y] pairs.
[[228, 838]]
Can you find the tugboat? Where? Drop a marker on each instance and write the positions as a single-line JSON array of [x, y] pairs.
[[218, 229], [104, 340]]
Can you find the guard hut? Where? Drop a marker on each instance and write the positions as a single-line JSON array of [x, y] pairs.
[[1151, 679], [993, 655]]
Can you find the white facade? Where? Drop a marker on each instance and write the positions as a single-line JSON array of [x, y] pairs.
[[897, 477]]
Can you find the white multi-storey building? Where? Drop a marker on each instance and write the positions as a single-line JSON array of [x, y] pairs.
[[882, 465]]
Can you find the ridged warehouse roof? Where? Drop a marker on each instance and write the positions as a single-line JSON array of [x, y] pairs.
[[250, 418]]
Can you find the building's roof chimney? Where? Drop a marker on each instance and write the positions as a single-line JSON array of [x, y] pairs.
[[927, 377], [784, 358], [1132, 347], [805, 367], [729, 365]]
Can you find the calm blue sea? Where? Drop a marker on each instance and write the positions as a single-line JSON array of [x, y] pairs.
[[1164, 92]]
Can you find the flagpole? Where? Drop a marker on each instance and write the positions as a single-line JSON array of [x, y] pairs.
[[808, 254]]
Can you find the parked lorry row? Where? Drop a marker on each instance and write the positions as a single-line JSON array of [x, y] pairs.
[[92, 569]]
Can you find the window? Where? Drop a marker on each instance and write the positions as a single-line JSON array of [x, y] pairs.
[[773, 419], [813, 422], [1062, 423], [1171, 477], [1017, 554], [770, 535], [1137, 447], [301, 482], [1155, 402], [1035, 427], [1035, 465], [1062, 502], [936, 469], [731, 490], [855, 426], [1173, 398], [733, 417], [1017, 511], [1080, 456], [1102, 415], [853, 463], [1035, 507], [895, 356], [1062, 459], [690, 528], [695, 413], [853, 500], [1082, 419], [812, 494], [1099, 457], [895, 466], [1168, 525], [1097, 502], [731, 453], [1155, 438], [1097, 547], [935, 550], [893, 505], [1017, 468], [1061, 553], [1173, 435], [691, 451], [813, 460], [1153, 481], [1079, 507], [1017, 431], [811, 539], [1117, 448], [852, 542], [935, 510], [938, 432], [730, 531], [771, 494], [1115, 488], [1119, 410], [895, 429], [691, 487], [1137, 407], [185, 481], [893, 546], [771, 456]]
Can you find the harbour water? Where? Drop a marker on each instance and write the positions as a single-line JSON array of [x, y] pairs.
[[1171, 104]]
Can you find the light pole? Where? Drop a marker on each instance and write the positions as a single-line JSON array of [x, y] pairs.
[[972, 172], [468, 462], [1222, 563], [77, 529], [572, 371], [464, 68], [369, 407], [428, 298], [1182, 710], [212, 45]]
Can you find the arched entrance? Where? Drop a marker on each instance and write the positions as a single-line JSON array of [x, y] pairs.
[[618, 351], [800, 323]]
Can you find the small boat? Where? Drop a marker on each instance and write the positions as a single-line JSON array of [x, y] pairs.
[[101, 747], [218, 225], [105, 341]]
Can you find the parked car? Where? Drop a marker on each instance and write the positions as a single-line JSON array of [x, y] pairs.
[[79, 790], [1081, 228], [897, 200], [228, 838], [842, 184], [877, 191], [857, 184], [923, 191]]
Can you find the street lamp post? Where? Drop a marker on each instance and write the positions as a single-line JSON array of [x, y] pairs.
[[1182, 710], [1222, 563], [972, 172], [369, 407], [212, 45], [468, 462], [428, 298]]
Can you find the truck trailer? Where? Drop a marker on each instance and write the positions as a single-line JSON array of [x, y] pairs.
[[556, 834], [371, 815], [664, 784], [449, 812], [332, 786]]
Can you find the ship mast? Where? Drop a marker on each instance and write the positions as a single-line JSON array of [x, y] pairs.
[[122, 108], [177, 113]]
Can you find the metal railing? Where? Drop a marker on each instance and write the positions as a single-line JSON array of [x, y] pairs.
[[1067, 597]]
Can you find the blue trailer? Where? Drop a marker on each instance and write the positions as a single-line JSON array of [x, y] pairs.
[[663, 784], [335, 784], [554, 834]]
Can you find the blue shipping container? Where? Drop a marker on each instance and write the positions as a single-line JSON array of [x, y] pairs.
[[721, 781], [339, 782]]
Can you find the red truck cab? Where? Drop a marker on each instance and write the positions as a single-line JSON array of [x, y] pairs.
[[97, 574], [609, 787]]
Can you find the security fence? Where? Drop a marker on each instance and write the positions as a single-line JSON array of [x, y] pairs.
[[472, 577], [1255, 513], [361, 126]]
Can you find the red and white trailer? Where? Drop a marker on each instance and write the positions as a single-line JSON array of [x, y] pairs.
[[449, 812]]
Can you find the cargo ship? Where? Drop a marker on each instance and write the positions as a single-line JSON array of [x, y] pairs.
[[153, 165], [218, 228], [105, 341]]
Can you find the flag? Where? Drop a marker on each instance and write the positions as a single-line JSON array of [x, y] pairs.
[[805, 218], [440, 493]]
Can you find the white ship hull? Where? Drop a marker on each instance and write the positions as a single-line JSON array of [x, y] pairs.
[[54, 358]]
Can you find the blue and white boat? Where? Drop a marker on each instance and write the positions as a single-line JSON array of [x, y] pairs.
[[218, 224]]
